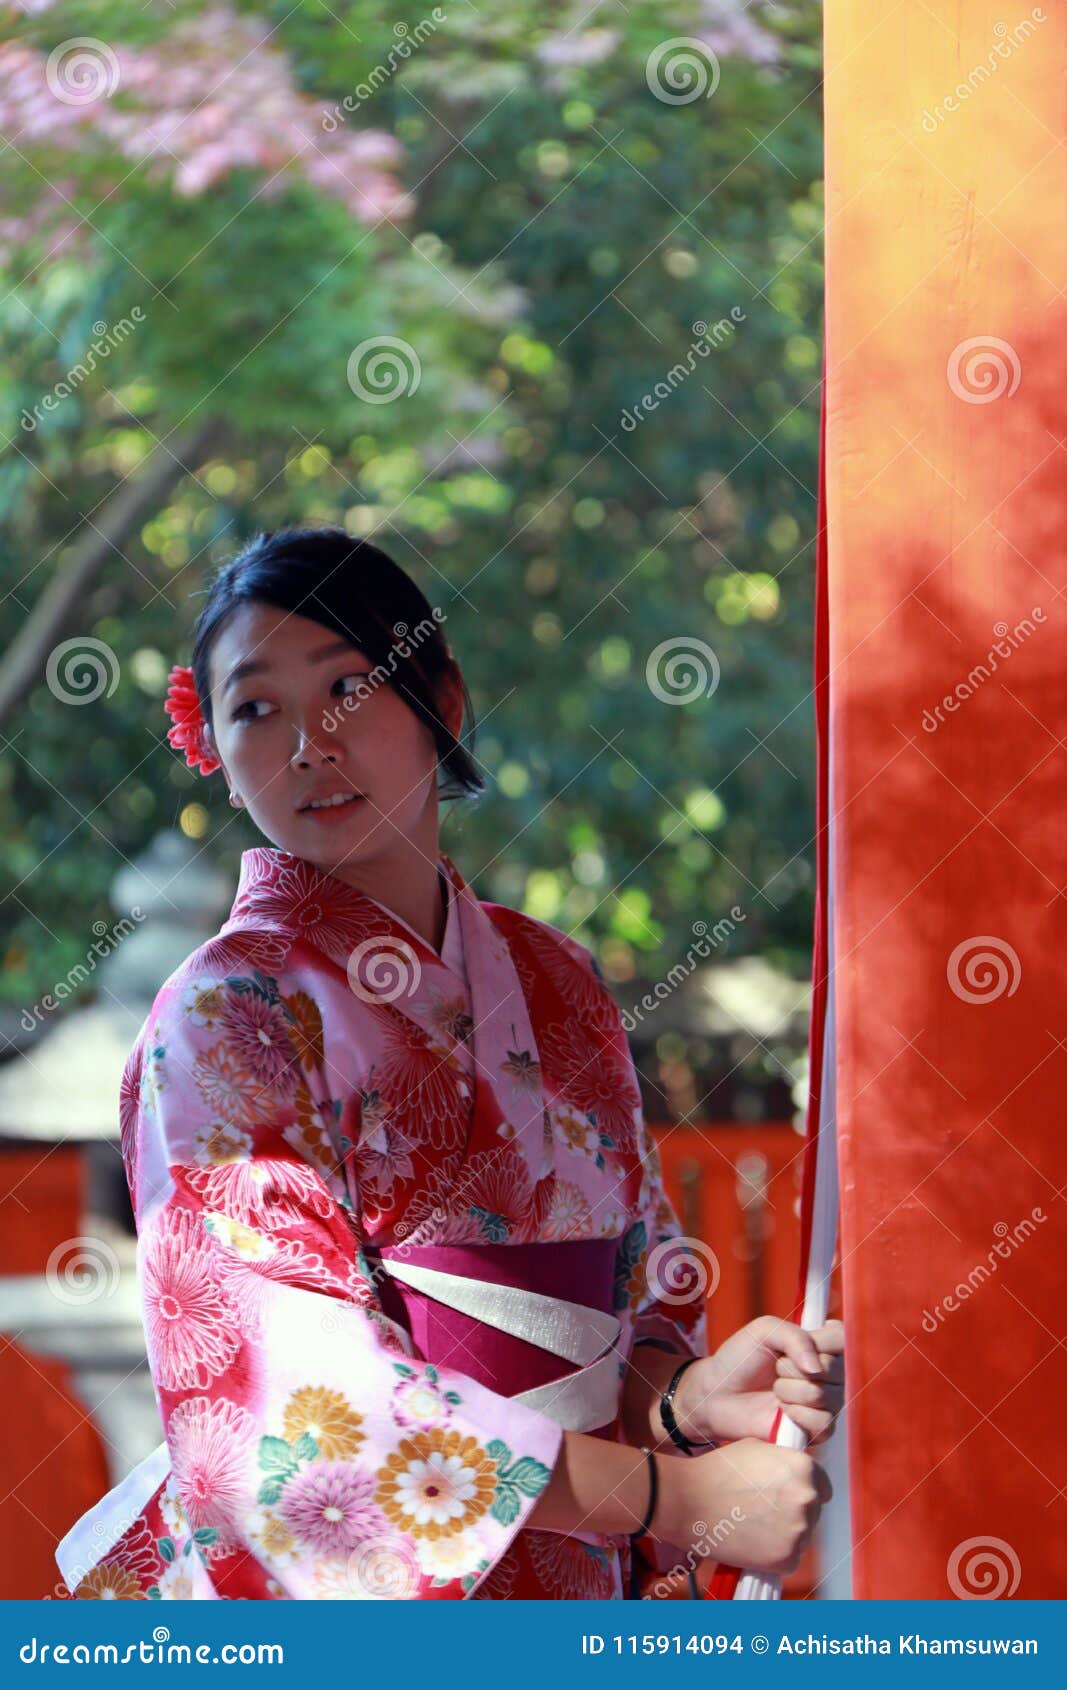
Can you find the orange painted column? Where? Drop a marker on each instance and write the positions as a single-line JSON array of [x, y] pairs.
[[946, 490]]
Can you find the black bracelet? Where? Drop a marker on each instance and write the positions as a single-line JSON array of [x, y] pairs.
[[666, 1413], [653, 1491]]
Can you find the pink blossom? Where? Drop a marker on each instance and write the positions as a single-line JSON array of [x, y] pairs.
[[331, 1507], [211, 1446], [216, 95], [189, 1325]]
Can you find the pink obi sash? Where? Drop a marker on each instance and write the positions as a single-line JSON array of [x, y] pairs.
[[533, 1322]]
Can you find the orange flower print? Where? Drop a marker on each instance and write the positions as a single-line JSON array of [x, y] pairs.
[[450, 1017], [328, 1416], [637, 1284], [274, 1538], [310, 1133], [228, 1086], [109, 1582], [203, 1002], [570, 1214], [576, 1131], [216, 1142], [437, 1483], [523, 1069], [306, 1030]]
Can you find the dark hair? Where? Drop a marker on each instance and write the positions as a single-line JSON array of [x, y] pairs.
[[358, 592]]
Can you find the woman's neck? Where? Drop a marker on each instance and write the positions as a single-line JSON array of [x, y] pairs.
[[407, 882]]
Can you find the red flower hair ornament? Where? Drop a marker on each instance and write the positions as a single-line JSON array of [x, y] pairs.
[[188, 734]]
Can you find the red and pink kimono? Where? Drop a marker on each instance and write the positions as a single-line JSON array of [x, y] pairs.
[[400, 1224]]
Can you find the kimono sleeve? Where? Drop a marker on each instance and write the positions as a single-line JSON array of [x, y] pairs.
[[662, 1277], [312, 1453]]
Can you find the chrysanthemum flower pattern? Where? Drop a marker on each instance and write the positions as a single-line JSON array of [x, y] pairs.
[[276, 1128]]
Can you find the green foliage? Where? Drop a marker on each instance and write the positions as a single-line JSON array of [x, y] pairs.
[[567, 230]]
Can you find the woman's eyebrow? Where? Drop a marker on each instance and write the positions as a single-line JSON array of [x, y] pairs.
[[259, 667]]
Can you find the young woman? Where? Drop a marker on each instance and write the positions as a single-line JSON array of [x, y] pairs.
[[415, 1301]]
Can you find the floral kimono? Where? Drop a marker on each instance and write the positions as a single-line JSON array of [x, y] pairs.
[[400, 1224]]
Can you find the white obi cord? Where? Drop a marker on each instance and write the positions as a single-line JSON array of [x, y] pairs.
[[580, 1402]]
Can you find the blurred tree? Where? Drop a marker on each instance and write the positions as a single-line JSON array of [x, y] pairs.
[[592, 255]]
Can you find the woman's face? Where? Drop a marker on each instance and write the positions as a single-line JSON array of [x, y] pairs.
[[292, 719]]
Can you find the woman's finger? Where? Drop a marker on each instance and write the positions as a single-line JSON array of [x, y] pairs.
[[816, 1422], [831, 1367], [796, 1344], [810, 1393], [830, 1336]]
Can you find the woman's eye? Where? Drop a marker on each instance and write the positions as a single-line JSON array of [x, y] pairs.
[[248, 705], [356, 676]]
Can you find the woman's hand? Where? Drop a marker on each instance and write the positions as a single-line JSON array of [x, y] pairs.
[[767, 1365], [753, 1504]]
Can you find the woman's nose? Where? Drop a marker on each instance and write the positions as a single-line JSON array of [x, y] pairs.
[[313, 746]]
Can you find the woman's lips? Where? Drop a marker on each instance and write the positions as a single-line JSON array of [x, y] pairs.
[[331, 812]]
